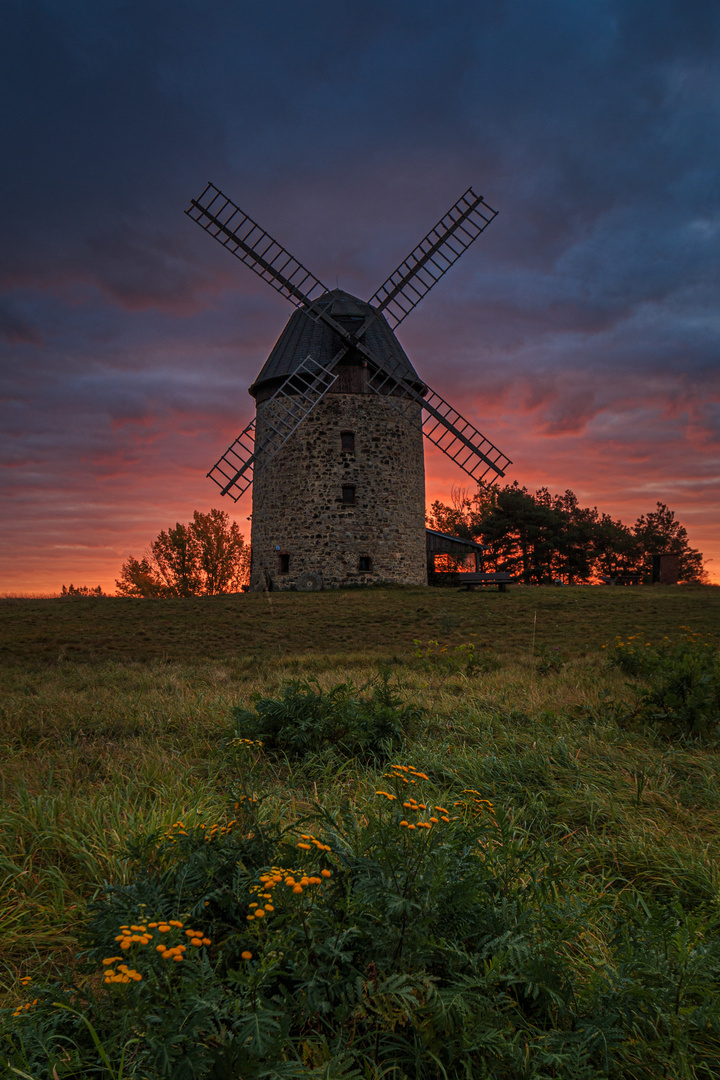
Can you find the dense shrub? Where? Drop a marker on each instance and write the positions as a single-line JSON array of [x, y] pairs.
[[683, 694], [446, 660], [306, 719], [416, 936]]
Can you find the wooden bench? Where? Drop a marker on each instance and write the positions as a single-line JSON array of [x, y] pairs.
[[501, 578]]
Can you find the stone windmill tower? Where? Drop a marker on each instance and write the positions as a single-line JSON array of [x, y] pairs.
[[335, 450]]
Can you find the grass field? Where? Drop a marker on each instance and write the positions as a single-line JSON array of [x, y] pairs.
[[114, 712]]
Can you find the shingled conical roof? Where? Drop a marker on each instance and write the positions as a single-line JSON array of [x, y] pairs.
[[304, 337]]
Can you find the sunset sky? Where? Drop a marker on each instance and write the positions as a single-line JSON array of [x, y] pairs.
[[580, 333]]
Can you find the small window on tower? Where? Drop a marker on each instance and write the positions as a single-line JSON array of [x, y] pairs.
[[284, 559], [348, 495], [347, 441], [365, 564]]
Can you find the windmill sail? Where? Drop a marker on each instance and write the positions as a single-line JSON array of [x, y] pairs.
[[282, 414], [249, 242], [444, 426], [236, 467], [394, 300], [433, 257]]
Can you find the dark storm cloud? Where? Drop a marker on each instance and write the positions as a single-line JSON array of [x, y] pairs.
[[588, 308], [15, 327]]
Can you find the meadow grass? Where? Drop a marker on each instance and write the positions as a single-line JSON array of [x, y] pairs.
[[114, 713]]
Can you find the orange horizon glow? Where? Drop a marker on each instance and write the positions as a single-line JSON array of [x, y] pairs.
[[93, 532]]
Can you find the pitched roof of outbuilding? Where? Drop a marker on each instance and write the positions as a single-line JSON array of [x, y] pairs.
[[440, 541], [304, 337]]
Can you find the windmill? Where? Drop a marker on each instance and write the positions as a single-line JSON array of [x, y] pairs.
[[335, 450]]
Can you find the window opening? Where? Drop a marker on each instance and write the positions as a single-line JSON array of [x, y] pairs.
[[284, 560], [348, 495], [347, 441], [364, 564]]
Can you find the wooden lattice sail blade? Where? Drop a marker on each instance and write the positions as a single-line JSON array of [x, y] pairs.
[[461, 440], [235, 468], [433, 257], [280, 416], [443, 425], [249, 242]]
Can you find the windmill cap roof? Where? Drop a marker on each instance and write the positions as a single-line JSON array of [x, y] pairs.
[[303, 337]]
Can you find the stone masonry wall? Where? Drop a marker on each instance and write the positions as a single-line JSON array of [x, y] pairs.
[[297, 499]]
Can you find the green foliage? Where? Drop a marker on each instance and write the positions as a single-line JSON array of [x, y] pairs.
[[541, 537], [452, 659], [577, 938], [305, 719], [684, 692], [203, 558], [635, 657], [432, 938]]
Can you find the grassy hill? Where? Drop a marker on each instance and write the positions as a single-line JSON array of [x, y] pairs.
[[114, 725], [372, 623]]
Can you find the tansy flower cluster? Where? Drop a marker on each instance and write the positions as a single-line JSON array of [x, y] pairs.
[[307, 842], [177, 829], [139, 934], [415, 807], [245, 742], [405, 773], [620, 644], [476, 803], [293, 881], [26, 1006], [124, 974]]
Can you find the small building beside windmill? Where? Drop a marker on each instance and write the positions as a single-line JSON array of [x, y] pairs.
[[343, 501]]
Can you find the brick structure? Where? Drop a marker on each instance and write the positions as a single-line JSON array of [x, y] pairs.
[[343, 501]]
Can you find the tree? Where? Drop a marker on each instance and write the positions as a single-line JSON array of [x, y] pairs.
[[203, 558], [658, 533], [82, 590], [543, 537]]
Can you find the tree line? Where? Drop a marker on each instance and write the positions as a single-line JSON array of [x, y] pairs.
[[539, 537]]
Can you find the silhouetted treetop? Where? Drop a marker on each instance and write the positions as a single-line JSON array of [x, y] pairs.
[[542, 537], [203, 558]]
